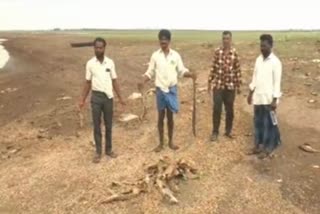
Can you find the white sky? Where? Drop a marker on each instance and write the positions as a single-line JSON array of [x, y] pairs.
[[177, 14]]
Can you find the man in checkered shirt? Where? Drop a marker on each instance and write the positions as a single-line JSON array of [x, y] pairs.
[[224, 81]]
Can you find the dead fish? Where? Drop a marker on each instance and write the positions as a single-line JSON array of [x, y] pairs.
[[128, 117], [307, 148], [13, 151], [203, 89], [135, 96], [151, 91], [64, 98]]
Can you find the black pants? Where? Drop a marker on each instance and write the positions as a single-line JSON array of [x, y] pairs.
[[100, 103], [226, 97]]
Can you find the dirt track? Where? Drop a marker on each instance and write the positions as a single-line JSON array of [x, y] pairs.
[[53, 173]]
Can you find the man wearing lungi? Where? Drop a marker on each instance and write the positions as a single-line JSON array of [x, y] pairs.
[[265, 91], [166, 66]]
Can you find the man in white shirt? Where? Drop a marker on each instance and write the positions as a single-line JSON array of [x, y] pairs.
[[166, 66], [265, 91], [101, 79]]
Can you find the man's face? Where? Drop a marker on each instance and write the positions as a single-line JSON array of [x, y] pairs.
[[226, 40], [99, 49], [164, 43], [265, 48]]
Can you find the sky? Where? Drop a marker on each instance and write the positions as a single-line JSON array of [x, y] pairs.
[[172, 14]]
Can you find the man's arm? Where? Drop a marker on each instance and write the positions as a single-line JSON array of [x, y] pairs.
[[212, 73], [141, 84], [276, 91], [183, 71], [150, 73], [116, 88], [86, 87], [85, 93], [190, 74], [115, 84], [237, 68], [252, 85]]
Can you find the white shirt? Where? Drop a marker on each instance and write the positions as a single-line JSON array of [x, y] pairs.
[[266, 80], [101, 75], [166, 69]]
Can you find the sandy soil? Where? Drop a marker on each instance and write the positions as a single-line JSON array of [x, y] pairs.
[[45, 162]]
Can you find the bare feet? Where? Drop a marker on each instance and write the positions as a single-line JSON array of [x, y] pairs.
[[96, 158], [266, 154], [173, 147], [214, 137], [263, 155], [158, 148], [229, 135], [111, 154], [256, 150]]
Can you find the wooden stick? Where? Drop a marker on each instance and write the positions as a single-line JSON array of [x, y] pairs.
[[122, 196], [166, 192], [144, 111], [81, 44], [81, 119]]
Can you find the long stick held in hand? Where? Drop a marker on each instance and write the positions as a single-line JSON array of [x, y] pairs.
[[144, 110], [81, 118], [194, 110]]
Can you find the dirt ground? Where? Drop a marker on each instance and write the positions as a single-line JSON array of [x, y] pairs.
[[45, 162]]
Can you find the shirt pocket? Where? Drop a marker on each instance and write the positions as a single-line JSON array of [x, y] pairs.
[[108, 72], [173, 64], [107, 69]]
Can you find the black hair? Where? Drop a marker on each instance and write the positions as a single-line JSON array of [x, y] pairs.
[[268, 38], [164, 34], [224, 33], [99, 39]]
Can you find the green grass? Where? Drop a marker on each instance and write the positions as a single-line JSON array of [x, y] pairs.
[[201, 36], [190, 35]]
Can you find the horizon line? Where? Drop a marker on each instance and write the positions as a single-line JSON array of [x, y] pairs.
[[155, 29]]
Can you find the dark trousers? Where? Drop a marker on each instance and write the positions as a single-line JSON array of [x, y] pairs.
[[226, 97], [266, 133], [101, 104]]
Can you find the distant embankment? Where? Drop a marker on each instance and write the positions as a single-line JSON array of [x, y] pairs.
[[4, 54]]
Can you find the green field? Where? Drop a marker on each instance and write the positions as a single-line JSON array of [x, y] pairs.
[[196, 35], [184, 35]]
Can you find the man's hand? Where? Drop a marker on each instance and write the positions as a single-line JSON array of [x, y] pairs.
[[274, 105], [209, 88], [82, 104], [86, 91], [238, 91], [191, 75], [249, 98], [122, 102], [143, 82], [194, 76]]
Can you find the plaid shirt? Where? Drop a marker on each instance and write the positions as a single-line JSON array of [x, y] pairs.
[[225, 72]]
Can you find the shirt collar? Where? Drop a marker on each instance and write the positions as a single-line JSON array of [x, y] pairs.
[[269, 57], [170, 51], [231, 51], [104, 60]]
